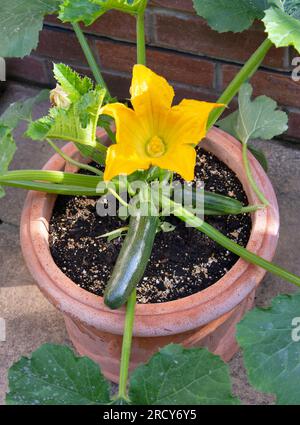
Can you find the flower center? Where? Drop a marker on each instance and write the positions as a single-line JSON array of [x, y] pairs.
[[155, 147]]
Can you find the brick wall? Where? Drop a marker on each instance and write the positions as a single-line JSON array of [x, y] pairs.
[[199, 62]]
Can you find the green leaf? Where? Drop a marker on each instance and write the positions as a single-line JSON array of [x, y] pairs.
[[79, 11], [77, 122], [20, 24], [7, 151], [255, 119], [66, 125], [292, 7], [22, 110], [230, 15], [179, 376], [229, 123], [271, 350], [71, 82], [88, 11], [53, 376], [283, 29]]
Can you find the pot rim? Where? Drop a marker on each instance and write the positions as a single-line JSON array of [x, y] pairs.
[[153, 319]]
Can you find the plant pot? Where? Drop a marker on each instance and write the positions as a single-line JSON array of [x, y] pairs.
[[207, 318]]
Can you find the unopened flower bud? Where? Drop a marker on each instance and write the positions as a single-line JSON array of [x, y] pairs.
[[59, 98]]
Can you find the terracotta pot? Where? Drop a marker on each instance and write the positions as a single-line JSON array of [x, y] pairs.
[[207, 318]]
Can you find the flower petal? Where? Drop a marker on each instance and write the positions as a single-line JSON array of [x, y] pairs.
[[129, 132], [122, 159], [187, 122], [181, 160], [151, 97]]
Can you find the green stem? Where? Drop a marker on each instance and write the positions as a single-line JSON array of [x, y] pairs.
[[218, 237], [140, 33], [118, 197], [110, 133], [250, 177], [251, 208], [58, 189], [72, 161], [59, 177], [244, 74], [126, 346], [89, 56]]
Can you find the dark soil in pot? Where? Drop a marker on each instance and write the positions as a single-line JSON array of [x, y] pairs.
[[183, 261]]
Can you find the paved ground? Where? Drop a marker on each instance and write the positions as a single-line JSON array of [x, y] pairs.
[[31, 320]]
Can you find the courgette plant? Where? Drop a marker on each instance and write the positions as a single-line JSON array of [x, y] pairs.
[[143, 148]]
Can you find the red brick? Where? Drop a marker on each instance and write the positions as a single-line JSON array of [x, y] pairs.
[[29, 69], [173, 66], [294, 124], [192, 34], [61, 45], [118, 85], [116, 25], [278, 86], [183, 5], [187, 92]]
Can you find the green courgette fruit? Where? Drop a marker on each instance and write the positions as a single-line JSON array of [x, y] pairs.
[[215, 204], [222, 204], [132, 260]]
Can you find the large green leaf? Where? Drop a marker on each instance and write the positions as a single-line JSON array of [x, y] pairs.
[[54, 375], [9, 120], [283, 25], [179, 376], [255, 119], [7, 151], [230, 15], [22, 110], [271, 346], [20, 24], [292, 7], [88, 11]]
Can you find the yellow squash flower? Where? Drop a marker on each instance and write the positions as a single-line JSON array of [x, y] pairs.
[[155, 133]]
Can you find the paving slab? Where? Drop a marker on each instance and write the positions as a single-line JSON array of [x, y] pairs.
[[31, 320]]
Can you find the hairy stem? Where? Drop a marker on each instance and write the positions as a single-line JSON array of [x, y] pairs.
[[140, 31], [72, 161], [89, 56], [244, 74], [58, 189], [184, 215], [250, 177], [58, 177]]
